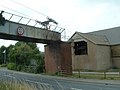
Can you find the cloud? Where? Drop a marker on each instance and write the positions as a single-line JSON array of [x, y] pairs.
[[94, 15]]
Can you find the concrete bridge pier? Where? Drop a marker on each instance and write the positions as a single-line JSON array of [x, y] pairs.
[[58, 58]]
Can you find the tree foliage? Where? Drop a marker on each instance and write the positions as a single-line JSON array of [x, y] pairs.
[[22, 53]]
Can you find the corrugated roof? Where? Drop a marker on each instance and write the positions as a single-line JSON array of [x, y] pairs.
[[97, 39], [112, 34], [107, 36]]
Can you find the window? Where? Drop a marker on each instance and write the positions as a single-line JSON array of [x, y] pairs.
[[80, 48]]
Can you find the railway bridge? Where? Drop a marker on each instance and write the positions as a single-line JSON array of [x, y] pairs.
[[56, 57]]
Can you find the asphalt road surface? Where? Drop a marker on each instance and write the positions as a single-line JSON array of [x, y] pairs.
[[55, 83]]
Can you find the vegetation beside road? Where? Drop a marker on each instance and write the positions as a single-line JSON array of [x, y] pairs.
[[83, 74], [98, 76], [15, 86], [23, 56], [26, 57], [101, 75]]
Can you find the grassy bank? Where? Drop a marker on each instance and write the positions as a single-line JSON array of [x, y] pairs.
[[14, 86], [114, 75], [97, 76]]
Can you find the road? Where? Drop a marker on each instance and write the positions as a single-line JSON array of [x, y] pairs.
[[56, 83]]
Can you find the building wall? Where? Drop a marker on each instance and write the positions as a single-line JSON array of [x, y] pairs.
[[58, 58], [116, 55], [85, 61], [98, 58], [66, 58], [103, 57]]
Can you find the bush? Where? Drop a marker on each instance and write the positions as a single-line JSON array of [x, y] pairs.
[[19, 68], [114, 67], [39, 69], [11, 66], [3, 65]]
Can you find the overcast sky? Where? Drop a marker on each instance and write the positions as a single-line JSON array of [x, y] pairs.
[[73, 15]]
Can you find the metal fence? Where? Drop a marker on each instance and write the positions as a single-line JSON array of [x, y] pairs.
[[97, 74]]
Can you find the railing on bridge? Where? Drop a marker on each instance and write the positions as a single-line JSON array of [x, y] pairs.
[[28, 21], [16, 27]]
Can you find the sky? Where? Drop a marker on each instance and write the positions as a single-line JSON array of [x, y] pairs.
[[73, 15]]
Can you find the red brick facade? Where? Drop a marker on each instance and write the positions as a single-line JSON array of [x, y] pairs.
[[58, 58]]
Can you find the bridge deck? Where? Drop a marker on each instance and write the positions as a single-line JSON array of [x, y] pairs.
[[16, 31]]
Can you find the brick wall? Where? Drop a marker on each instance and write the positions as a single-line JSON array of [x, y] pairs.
[[58, 58]]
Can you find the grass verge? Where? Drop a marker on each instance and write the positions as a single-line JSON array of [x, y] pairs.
[[13, 86]]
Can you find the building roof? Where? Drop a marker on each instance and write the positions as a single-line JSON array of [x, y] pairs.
[[112, 34], [106, 37], [96, 39]]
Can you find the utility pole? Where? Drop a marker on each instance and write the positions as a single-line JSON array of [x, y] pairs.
[[4, 56]]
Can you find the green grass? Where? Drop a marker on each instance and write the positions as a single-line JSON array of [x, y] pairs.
[[97, 76], [14, 86]]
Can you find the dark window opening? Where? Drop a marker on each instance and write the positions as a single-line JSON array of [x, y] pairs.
[[80, 48]]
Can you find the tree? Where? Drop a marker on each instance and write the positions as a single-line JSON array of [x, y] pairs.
[[40, 63], [23, 52], [32, 45], [8, 50]]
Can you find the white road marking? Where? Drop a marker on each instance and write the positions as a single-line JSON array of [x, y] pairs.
[[9, 76], [44, 84], [59, 85], [76, 89], [37, 82]]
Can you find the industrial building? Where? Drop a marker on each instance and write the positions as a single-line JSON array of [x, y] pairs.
[[98, 50]]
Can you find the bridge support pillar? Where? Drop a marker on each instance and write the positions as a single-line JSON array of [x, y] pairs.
[[58, 58]]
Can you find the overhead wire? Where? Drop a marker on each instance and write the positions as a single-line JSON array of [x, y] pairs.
[[29, 8], [66, 28], [15, 11]]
